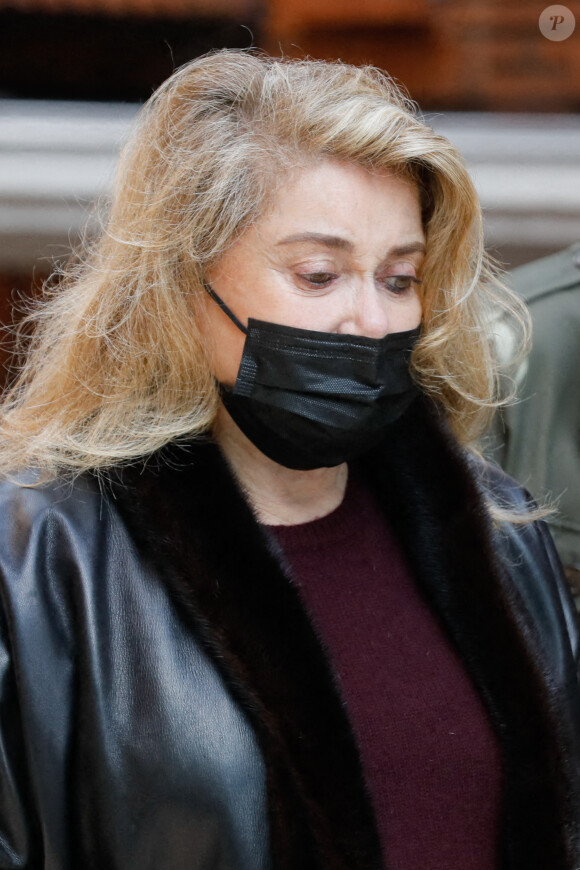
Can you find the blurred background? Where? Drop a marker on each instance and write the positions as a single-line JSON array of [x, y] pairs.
[[73, 73]]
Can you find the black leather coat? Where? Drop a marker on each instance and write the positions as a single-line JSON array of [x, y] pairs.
[[166, 703]]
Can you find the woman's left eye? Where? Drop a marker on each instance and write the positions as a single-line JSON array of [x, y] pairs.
[[400, 283]]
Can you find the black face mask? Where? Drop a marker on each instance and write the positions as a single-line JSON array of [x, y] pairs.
[[312, 399]]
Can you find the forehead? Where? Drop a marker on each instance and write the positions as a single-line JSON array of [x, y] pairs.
[[343, 200]]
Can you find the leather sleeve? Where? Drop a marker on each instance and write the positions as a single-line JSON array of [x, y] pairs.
[[562, 587], [36, 674], [17, 824], [532, 561]]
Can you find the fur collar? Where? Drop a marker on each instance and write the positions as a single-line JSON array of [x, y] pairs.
[[189, 518]]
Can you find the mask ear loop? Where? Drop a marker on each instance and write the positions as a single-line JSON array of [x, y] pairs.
[[211, 292]]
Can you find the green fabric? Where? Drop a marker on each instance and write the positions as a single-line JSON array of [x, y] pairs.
[[540, 443]]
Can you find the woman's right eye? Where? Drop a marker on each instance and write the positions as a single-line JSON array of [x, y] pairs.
[[318, 279]]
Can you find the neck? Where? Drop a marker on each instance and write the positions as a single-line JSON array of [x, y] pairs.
[[278, 495]]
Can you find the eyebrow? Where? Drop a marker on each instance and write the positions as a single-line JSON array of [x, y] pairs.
[[343, 244]]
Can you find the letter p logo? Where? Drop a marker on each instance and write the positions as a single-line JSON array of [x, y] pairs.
[[557, 23]]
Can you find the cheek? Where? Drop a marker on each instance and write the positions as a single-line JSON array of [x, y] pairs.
[[404, 315], [227, 355], [416, 314], [224, 343]]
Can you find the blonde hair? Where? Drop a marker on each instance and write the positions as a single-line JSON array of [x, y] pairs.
[[116, 366]]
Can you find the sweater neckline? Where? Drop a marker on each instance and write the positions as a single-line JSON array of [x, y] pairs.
[[337, 522]]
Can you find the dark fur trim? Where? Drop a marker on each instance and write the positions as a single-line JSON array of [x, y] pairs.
[[188, 517]]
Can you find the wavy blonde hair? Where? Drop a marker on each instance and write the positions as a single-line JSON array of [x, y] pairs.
[[116, 366]]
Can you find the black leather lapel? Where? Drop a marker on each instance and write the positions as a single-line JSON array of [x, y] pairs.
[[190, 520], [425, 487]]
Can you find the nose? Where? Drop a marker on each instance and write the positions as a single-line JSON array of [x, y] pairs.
[[367, 311]]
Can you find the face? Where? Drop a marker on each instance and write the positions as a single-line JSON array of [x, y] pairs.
[[339, 251]]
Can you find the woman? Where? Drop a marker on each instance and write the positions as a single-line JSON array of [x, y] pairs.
[[262, 607]]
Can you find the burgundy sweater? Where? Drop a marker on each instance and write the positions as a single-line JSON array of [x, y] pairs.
[[430, 756]]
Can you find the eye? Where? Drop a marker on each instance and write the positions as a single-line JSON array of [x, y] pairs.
[[400, 283], [319, 279]]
